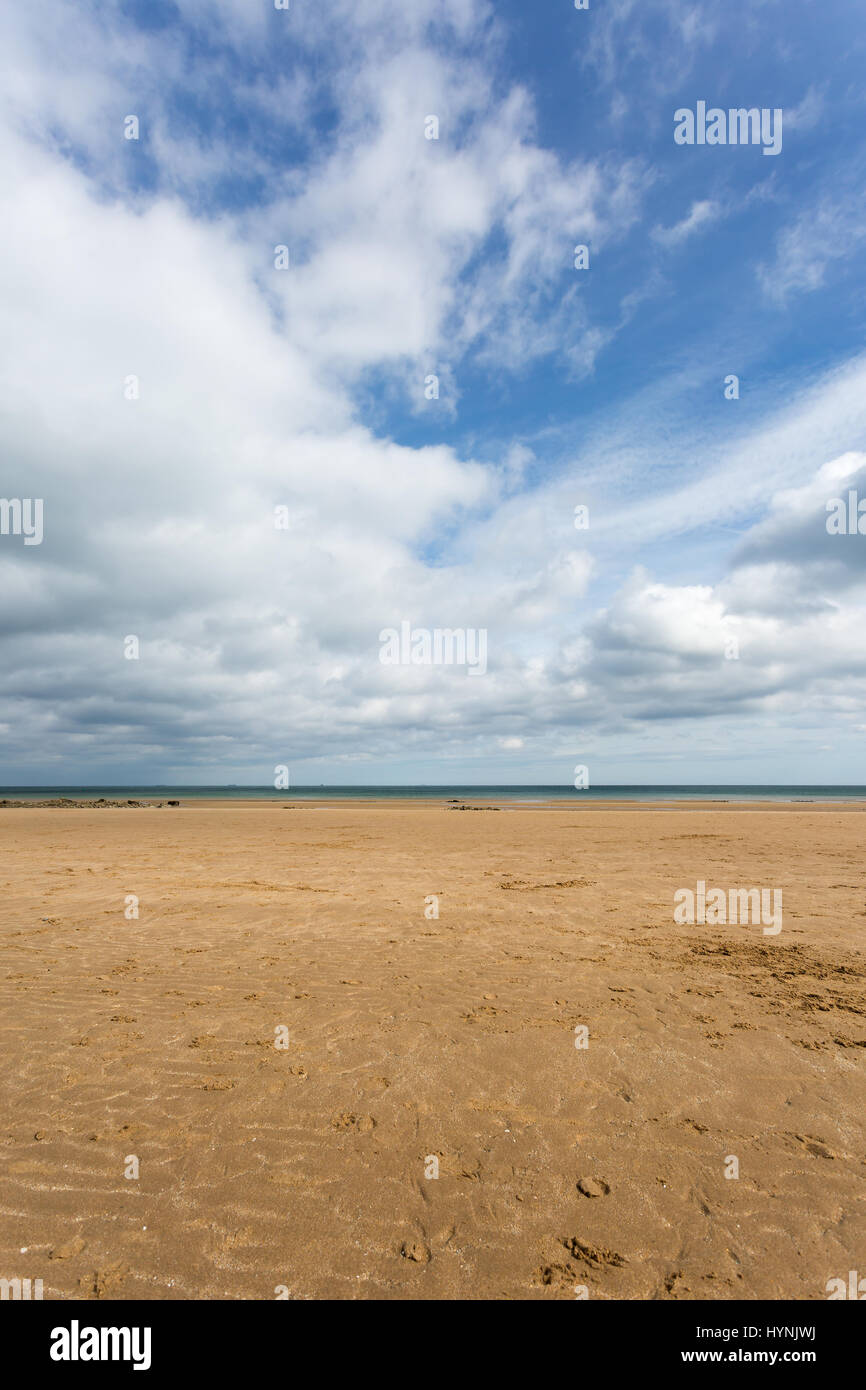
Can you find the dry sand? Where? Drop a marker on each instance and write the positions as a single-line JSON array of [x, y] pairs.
[[410, 1037]]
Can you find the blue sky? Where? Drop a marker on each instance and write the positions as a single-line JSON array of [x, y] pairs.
[[256, 388]]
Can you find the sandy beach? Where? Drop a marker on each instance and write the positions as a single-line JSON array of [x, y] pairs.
[[417, 1042]]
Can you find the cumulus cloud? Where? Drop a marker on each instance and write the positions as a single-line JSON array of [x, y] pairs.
[[166, 389], [194, 417], [778, 633]]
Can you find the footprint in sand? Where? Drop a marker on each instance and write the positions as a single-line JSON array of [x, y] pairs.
[[817, 1147], [593, 1187], [591, 1254], [358, 1124], [68, 1251], [416, 1251]]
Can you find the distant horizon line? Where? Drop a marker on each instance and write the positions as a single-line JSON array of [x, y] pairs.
[[390, 786]]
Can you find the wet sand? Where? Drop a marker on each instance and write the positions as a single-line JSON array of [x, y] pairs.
[[411, 1038]]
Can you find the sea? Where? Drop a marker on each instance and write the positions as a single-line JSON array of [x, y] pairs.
[[457, 791]]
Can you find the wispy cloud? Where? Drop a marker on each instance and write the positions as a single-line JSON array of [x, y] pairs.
[[700, 214]]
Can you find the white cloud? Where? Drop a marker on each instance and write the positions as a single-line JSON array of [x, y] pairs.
[[261, 645], [832, 230], [702, 212]]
